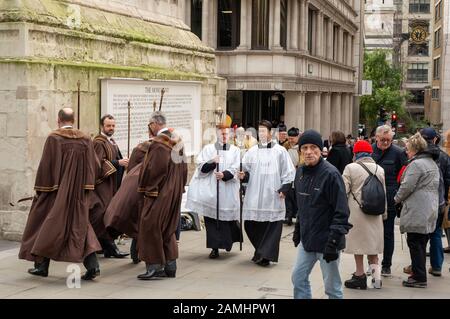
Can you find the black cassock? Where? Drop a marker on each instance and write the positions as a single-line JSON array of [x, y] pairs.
[[265, 237], [223, 237]]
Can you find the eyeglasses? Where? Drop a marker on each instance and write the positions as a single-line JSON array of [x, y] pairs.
[[385, 140]]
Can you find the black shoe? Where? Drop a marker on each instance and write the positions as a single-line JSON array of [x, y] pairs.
[[288, 221], [152, 271], [263, 262], [133, 252], [357, 282], [428, 254], [170, 270], [386, 271], [111, 250], [214, 253], [256, 258], [91, 274], [412, 283], [40, 269]]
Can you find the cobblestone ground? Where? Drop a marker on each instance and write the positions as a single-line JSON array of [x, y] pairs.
[[233, 276]]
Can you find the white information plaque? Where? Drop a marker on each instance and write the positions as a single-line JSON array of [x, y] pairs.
[[181, 105]]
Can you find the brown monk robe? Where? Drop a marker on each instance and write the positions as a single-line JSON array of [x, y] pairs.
[[122, 214], [161, 181], [107, 184], [58, 225]]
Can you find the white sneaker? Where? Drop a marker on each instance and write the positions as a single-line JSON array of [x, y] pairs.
[[376, 283]]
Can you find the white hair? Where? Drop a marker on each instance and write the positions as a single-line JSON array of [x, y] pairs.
[[158, 118], [384, 129]]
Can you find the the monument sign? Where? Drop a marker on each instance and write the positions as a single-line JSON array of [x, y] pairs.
[[181, 105]]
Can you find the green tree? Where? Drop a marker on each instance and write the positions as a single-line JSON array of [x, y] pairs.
[[386, 87]]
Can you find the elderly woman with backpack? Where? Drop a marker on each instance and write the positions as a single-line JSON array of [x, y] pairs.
[[366, 192], [419, 196]]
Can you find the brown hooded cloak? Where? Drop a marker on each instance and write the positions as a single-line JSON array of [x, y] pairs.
[[58, 223], [162, 180]]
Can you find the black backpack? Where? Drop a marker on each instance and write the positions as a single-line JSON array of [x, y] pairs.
[[373, 196]]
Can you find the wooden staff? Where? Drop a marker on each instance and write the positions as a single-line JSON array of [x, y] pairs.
[[154, 106], [160, 101], [129, 128], [78, 112], [241, 191], [217, 203]]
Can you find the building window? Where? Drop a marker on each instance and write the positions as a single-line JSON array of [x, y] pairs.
[[310, 30], [419, 6], [418, 49], [283, 22], [437, 38], [436, 68], [196, 17], [418, 72], [418, 97], [438, 11], [397, 27], [228, 19], [435, 94], [260, 24]]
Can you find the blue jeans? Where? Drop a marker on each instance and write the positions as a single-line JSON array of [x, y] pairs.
[[302, 269], [436, 249]]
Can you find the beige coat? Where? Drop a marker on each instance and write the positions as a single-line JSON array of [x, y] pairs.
[[366, 236]]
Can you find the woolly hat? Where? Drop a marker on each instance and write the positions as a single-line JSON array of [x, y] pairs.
[[362, 146], [311, 137]]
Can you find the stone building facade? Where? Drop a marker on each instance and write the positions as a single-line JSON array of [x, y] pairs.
[[414, 53], [437, 110], [297, 61], [379, 25], [46, 46]]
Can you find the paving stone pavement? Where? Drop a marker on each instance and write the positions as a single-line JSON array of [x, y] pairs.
[[232, 276]]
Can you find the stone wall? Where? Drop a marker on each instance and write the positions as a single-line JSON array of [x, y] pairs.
[[46, 46]]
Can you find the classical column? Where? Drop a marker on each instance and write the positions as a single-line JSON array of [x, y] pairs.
[[341, 46], [344, 116], [243, 34], [294, 25], [276, 25], [336, 111], [350, 112], [317, 111], [295, 114], [205, 21], [325, 123], [304, 22], [319, 37], [330, 39], [350, 50]]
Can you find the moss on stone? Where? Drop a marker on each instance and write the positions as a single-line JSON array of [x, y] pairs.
[[56, 13], [145, 72]]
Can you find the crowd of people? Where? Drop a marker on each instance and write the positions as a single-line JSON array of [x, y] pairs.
[[344, 196]]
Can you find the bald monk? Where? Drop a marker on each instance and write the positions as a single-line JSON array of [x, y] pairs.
[[58, 226]]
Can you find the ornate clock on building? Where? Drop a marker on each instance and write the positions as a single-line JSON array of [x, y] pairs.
[[418, 34]]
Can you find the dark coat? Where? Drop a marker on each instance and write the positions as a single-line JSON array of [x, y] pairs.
[[58, 224], [161, 181], [322, 206], [107, 183], [392, 160], [340, 156], [122, 214]]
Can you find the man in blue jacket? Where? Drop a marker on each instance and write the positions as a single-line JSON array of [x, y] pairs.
[[392, 158], [323, 219]]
